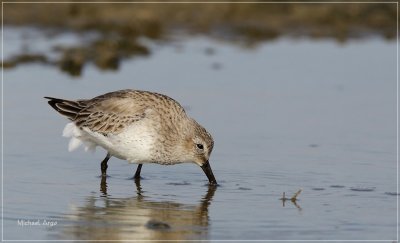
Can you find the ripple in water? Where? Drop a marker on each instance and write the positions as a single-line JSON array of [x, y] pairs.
[[337, 186], [244, 188], [185, 183], [363, 189]]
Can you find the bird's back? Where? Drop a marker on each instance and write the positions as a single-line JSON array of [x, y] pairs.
[[114, 111]]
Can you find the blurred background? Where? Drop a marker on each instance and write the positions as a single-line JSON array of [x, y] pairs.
[[116, 29], [296, 95]]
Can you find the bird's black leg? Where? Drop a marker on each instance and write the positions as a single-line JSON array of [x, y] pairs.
[[103, 185], [137, 174], [104, 165]]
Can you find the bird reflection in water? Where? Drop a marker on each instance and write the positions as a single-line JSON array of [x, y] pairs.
[[136, 218]]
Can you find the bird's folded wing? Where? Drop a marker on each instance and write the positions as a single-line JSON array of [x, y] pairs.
[[111, 115]]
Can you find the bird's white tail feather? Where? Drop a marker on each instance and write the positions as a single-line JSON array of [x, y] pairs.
[[70, 130], [77, 138], [74, 143]]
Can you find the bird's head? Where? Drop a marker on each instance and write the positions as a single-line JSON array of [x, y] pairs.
[[200, 144]]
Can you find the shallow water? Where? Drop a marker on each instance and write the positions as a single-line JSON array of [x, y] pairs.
[[285, 115]]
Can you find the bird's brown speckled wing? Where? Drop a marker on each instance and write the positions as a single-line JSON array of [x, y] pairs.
[[111, 112], [107, 122], [108, 113], [114, 111]]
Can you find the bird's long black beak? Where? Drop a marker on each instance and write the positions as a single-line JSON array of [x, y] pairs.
[[207, 170]]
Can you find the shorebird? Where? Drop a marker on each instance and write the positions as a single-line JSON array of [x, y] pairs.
[[137, 126]]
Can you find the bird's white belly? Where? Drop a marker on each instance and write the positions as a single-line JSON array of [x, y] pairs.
[[133, 144]]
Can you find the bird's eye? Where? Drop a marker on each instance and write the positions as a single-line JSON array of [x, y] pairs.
[[200, 146]]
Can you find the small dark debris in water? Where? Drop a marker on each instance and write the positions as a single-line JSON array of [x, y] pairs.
[[318, 188], [313, 145], [337, 186], [185, 183], [244, 188], [363, 189], [157, 225], [293, 198], [392, 193], [216, 66]]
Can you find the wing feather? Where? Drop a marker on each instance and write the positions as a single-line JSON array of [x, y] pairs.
[[110, 113], [113, 112]]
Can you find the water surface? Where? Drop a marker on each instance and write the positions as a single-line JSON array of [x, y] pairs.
[[285, 115]]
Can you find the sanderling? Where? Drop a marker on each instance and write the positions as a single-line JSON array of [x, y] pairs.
[[137, 126]]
